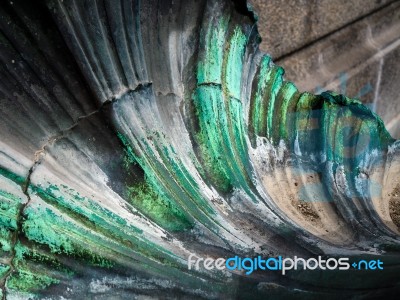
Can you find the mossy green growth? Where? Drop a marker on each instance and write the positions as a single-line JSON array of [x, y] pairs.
[[148, 198], [211, 164], [9, 210], [84, 208], [35, 255], [25, 279], [3, 270], [103, 241], [29, 281], [157, 207], [45, 227], [5, 239]]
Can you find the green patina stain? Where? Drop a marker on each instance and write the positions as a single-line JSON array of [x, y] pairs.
[[178, 187], [221, 138], [212, 164], [29, 281], [154, 205], [12, 176], [350, 131], [306, 123], [46, 227], [238, 134], [287, 95], [3, 270], [149, 199], [6, 237], [10, 206], [63, 236], [256, 109], [209, 101], [234, 63], [274, 85], [77, 205], [34, 255], [235, 129], [35, 270], [212, 116], [270, 81], [185, 180], [9, 210], [212, 52], [91, 224], [70, 225]]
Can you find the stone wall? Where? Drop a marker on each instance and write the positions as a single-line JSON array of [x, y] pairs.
[[352, 47]]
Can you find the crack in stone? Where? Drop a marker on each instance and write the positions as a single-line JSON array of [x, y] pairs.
[[25, 188], [216, 84], [38, 158]]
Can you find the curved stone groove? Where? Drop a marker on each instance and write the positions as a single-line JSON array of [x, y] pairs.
[[157, 129]]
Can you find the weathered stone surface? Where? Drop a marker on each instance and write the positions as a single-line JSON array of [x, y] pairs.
[[286, 28], [350, 61], [346, 49], [173, 136], [389, 90]]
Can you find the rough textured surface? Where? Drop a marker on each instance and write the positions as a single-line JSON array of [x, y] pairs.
[[286, 28], [340, 46], [135, 133]]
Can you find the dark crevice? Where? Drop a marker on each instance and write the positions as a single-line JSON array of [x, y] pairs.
[[37, 14], [209, 84], [243, 9]]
